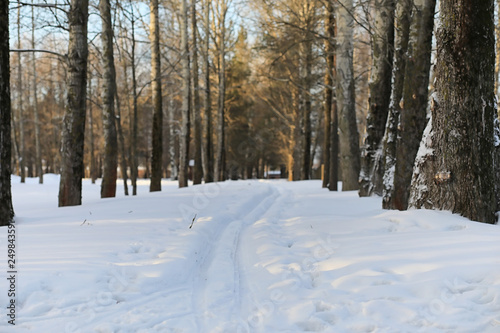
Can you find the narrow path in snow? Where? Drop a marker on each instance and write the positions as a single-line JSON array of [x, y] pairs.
[[218, 301]]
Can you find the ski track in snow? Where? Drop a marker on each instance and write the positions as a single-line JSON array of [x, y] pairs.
[[218, 302]]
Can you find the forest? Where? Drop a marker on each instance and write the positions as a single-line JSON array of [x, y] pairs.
[[393, 98]]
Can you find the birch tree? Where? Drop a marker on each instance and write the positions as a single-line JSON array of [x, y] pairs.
[[73, 128], [454, 169], [6, 209], [371, 175], [415, 97], [402, 35]]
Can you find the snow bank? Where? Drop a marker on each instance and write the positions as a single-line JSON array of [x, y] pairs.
[[260, 257]]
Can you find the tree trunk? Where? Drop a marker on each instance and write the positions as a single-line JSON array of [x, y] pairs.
[[197, 129], [20, 106], [93, 166], [73, 127], [38, 150], [134, 164], [6, 209], [454, 169], [186, 100], [371, 175], [307, 109], [208, 163], [415, 97], [110, 163], [497, 47], [121, 143], [402, 34], [219, 173], [330, 54], [157, 135], [346, 99]]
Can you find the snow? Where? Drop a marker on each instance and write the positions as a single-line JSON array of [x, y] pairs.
[[261, 256]]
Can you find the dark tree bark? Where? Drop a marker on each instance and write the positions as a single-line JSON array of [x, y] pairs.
[[220, 172], [307, 106], [38, 149], [73, 127], [110, 161], [6, 209], [186, 100], [330, 54], [197, 129], [371, 175], [157, 135], [402, 35], [134, 163], [208, 162], [346, 99], [415, 97], [454, 169]]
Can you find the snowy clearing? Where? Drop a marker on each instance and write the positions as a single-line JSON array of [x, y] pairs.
[[261, 256]]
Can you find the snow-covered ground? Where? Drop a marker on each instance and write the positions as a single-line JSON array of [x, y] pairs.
[[261, 256]]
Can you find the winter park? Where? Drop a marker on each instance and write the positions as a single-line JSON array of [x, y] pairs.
[[236, 166]]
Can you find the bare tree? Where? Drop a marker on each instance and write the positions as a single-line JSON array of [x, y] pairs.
[[110, 162], [186, 102], [20, 106], [157, 136], [6, 209], [73, 131], [208, 162], [196, 107], [219, 167], [38, 149]]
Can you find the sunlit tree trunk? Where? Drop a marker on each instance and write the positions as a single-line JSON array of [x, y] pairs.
[[219, 169], [6, 209], [186, 100], [329, 49], [196, 107], [346, 99], [134, 163], [110, 162], [208, 163], [73, 127], [371, 175], [454, 169]]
